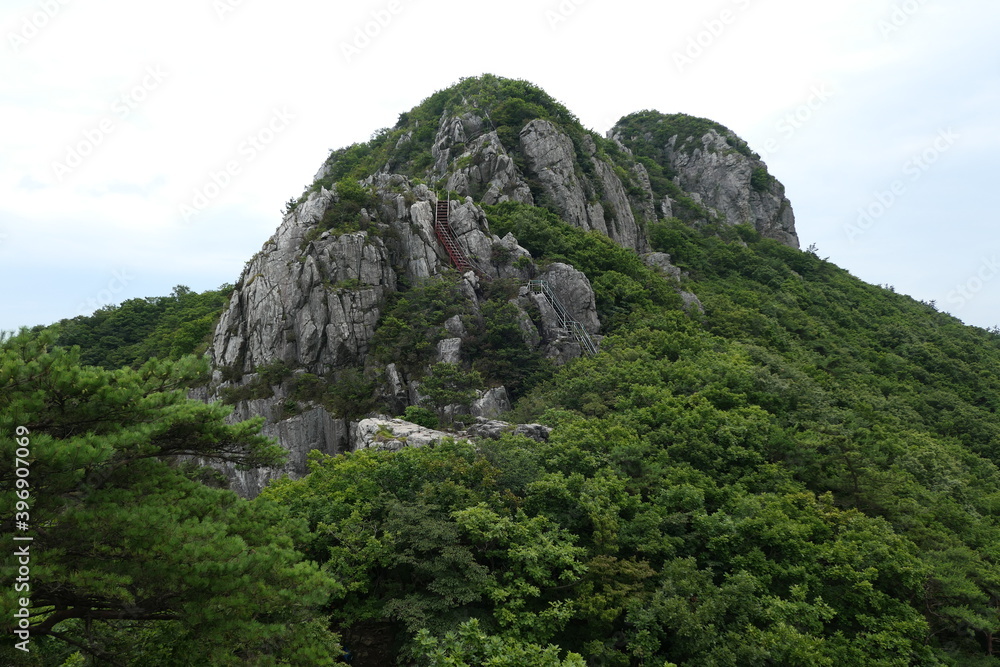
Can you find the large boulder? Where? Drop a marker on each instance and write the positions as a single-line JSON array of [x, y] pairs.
[[392, 434]]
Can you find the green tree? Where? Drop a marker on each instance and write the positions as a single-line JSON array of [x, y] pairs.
[[129, 542], [471, 646], [449, 385]]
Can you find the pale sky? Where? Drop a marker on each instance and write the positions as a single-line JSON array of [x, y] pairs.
[[120, 118]]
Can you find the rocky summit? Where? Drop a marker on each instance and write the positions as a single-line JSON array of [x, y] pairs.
[[317, 305]]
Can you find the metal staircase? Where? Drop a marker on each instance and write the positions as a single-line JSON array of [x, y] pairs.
[[566, 320], [446, 236]]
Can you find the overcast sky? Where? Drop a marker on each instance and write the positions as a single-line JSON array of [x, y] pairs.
[[121, 118]]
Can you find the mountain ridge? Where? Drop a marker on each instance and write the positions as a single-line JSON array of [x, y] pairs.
[[315, 295]]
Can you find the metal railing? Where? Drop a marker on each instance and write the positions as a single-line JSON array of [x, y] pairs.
[[446, 236], [566, 321]]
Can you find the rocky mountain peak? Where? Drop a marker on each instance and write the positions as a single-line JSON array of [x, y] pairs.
[[349, 305], [704, 161]]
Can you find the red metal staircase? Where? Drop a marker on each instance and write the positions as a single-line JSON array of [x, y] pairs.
[[446, 236]]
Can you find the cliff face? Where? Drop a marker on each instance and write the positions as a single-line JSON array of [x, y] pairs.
[[308, 307], [725, 180], [584, 189], [311, 302], [290, 304], [699, 159]]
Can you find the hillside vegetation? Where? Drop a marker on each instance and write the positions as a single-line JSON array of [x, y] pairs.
[[803, 470]]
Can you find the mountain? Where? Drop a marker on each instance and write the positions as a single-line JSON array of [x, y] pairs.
[[313, 300], [716, 449]]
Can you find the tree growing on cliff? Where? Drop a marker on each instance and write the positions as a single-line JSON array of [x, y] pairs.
[[449, 385], [134, 558]]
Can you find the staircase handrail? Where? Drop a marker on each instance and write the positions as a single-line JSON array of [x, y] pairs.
[[566, 321], [446, 235]]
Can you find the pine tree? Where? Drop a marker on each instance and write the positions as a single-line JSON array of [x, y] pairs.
[[135, 559]]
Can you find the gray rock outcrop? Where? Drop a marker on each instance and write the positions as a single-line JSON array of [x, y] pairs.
[[574, 291], [300, 434], [449, 351], [491, 403], [312, 298], [492, 429], [487, 173], [310, 302], [722, 177], [553, 160], [662, 262], [392, 434]]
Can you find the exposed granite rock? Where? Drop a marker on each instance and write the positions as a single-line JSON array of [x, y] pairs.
[[397, 390], [392, 434], [667, 207], [552, 159], [721, 176], [312, 300], [692, 301], [661, 261], [534, 431], [413, 245], [491, 403], [313, 304], [300, 434], [449, 351], [487, 173], [647, 203], [529, 332], [471, 229], [574, 291], [620, 221], [454, 326], [492, 429], [453, 130]]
